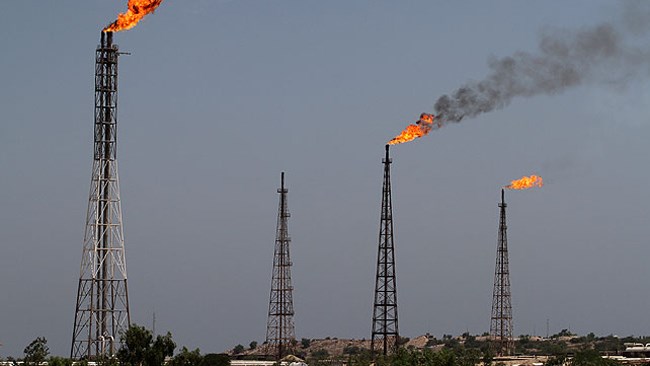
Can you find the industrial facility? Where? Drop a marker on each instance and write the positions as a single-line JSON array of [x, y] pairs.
[[105, 310]]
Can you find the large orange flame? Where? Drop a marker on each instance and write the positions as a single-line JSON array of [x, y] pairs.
[[422, 127], [526, 182], [138, 9]]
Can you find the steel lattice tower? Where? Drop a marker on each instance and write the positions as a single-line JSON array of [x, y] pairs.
[[384, 317], [280, 330], [501, 323], [102, 310]]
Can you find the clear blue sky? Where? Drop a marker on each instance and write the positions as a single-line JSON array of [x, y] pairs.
[[219, 97]]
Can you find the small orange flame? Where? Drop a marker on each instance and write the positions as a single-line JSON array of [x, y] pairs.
[[138, 9], [526, 182], [422, 127]]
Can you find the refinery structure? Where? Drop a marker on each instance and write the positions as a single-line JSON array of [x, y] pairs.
[[280, 330], [385, 333], [501, 321], [102, 312]]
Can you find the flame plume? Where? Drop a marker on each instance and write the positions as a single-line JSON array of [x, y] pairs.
[[526, 182], [422, 127], [138, 9]]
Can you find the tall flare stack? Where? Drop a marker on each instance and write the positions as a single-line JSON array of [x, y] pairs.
[[102, 309], [280, 331], [502, 343], [385, 334]]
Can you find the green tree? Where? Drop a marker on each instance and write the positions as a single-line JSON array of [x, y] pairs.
[[363, 358], [105, 361], [320, 354], [59, 361], [555, 361], [468, 357], [553, 348], [136, 341], [253, 345], [488, 357], [426, 357], [471, 342], [36, 352], [187, 358], [351, 350], [216, 359], [161, 348], [305, 342], [563, 333], [590, 357], [613, 344], [140, 349], [238, 349]]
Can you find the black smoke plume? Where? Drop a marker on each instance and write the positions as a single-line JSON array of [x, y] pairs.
[[602, 54]]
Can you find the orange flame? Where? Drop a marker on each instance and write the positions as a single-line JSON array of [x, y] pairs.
[[422, 127], [138, 9], [526, 182]]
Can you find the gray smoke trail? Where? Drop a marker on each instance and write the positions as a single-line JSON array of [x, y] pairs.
[[600, 54]]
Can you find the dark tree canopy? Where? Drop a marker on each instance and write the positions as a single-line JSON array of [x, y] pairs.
[[187, 358], [36, 352], [216, 359], [140, 349], [238, 349]]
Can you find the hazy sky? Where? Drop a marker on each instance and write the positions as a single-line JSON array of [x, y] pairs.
[[219, 97]]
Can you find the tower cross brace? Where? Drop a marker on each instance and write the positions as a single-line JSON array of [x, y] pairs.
[[280, 330], [385, 334], [102, 306], [501, 321]]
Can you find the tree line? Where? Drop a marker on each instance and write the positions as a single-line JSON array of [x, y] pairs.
[[138, 347]]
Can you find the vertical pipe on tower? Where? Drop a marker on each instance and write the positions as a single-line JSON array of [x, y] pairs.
[[501, 320], [384, 318], [102, 309], [280, 330]]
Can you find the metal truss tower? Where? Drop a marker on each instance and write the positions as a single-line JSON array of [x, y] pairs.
[[385, 334], [502, 343], [280, 330], [102, 310]]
